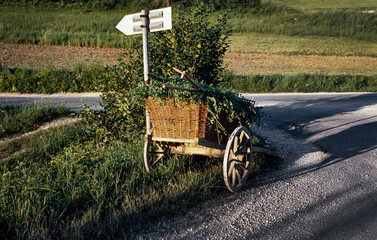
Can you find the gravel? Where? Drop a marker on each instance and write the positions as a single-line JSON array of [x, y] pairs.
[[262, 206]]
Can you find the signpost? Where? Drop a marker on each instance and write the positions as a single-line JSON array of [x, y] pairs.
[[145, 22]]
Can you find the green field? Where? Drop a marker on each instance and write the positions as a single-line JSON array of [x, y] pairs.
[[340, 30], [304, 45], [320, 5], [69, 27]]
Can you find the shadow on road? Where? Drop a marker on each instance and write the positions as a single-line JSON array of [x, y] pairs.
[[356, 139], [351, 210], [359, 138]]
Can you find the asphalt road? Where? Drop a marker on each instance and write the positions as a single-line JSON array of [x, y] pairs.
[[326, 188], [73, 101]]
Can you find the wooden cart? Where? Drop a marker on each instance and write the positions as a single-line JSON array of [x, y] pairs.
[[185, 130]]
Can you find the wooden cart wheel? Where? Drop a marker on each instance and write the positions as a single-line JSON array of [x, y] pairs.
[[153, 154], [237, 159]]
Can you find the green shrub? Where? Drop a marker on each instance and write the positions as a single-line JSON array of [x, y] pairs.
[[302, 83], [193, 45], [125, 111], [274, 19], [18, 120], [51, 80]]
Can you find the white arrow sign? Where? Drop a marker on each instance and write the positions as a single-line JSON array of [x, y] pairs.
[[159, 20]]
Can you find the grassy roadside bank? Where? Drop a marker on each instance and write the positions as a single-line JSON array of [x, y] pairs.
[[87, 79], [19, 120], [63, 184], [305, 83], [51, 80]]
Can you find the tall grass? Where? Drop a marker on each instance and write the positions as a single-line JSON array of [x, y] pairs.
[[326, 4], [303, 83], [94, 78], [82, 190], [52, 80], [62, 184], [279, 20], [62, 26], [18, 120], [301, 45], [95, 28]]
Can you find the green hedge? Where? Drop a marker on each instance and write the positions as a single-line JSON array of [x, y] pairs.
[[95, 78], [302, 83], [51, 80]]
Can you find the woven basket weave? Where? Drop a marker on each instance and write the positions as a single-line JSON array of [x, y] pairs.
[[185, 121]]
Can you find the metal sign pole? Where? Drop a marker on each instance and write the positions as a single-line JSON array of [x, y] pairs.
[[145, 22], [145, 26]]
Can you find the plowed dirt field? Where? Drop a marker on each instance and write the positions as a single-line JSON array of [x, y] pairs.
[[241, 63]]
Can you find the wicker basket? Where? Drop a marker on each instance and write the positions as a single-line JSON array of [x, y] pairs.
[[186, 121]]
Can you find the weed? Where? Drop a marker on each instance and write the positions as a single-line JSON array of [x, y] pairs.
[[64, 185], [18, 120], [302, 83], [52, 80]]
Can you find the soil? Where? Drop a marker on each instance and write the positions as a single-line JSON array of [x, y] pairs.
[[62, 57], [241, 63]]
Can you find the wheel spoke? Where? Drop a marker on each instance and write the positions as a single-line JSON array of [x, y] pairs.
[[232, 155], [244, 148], [157, 160], [242, 135], [238, 175], [235, 144], [155, 152], [242, 165], [231, 167], [234, 177]]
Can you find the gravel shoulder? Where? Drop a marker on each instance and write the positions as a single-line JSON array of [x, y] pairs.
[[325, 188], [263, 205]]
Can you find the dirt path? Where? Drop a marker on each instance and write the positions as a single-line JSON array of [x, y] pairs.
[[47, 125], [35, 56]]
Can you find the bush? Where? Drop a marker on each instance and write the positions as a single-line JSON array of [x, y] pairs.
[[51, 80], [302, 83], [193, 45], [19, 120], [125, 113]]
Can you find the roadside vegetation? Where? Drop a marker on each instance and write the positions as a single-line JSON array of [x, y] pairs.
[[61, 183], [87, 179], [301, 83], [51, 80], [93, 78], [19, 120]]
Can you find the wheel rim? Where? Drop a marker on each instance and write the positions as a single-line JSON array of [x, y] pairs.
[[237, 159], [153, 154]]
